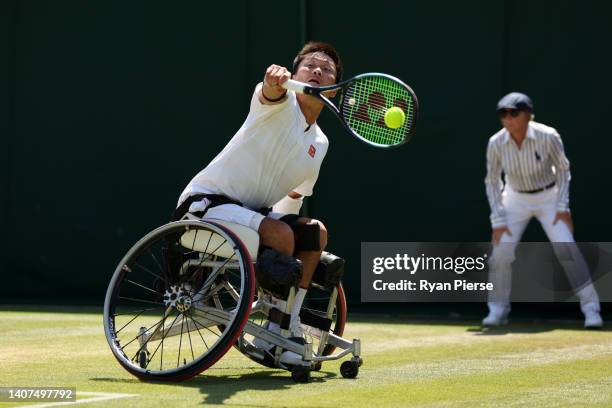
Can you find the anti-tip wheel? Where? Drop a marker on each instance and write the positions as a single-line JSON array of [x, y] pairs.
[[300, 374], [349, 369]]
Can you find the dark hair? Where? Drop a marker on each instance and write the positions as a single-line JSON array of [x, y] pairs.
[[327, 49]]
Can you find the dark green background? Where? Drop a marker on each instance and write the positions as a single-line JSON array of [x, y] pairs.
[[108, 108]]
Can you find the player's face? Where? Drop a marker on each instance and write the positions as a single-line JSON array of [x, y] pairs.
[[514, 120], [316, 69]]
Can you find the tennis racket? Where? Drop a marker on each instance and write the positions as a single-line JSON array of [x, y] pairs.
[[363, 102]]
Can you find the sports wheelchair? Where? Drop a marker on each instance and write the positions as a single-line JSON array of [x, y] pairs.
[[186, 293]]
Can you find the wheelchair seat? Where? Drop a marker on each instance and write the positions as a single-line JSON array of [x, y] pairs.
[[199, 240]]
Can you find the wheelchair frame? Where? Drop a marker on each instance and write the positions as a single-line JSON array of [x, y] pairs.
[[206, 306]]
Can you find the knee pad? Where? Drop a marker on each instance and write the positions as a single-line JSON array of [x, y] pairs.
[[307, 236], [278, 273]]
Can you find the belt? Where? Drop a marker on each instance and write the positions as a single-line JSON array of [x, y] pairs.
[[539, 190]]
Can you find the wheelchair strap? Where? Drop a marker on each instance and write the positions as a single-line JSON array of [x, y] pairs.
[[280, 318], [306, 317], [311, 319]]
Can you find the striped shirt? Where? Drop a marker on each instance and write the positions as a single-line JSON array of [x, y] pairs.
[[539, 162]]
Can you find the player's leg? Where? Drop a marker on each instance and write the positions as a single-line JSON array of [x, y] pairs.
[[276, 235], [572, 261], [310, 257], [500, 263], [310, 241], [272, 233], [310, 254]]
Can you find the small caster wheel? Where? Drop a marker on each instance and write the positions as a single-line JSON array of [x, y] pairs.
[[142, 359], [317, 366], [349, 369], [300, 374], [359, 361]]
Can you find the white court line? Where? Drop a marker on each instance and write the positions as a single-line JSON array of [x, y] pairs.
[[97, 396]]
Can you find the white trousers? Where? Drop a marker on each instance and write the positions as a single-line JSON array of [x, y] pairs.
[[520, 209]]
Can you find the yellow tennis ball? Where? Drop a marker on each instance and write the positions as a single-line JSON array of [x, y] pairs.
[[394, 117]]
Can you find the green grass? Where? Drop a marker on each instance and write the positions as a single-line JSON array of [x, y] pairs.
[[406, 363]]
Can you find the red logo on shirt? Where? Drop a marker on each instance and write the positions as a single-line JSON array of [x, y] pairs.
[[312, 151]]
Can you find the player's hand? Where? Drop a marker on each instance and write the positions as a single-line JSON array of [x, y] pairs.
[[566, 217], [273, 79], [497, 234]]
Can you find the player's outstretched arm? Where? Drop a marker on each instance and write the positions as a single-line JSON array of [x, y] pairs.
[[272, 92]]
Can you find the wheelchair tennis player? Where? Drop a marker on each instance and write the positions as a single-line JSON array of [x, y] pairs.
[[261, 176]]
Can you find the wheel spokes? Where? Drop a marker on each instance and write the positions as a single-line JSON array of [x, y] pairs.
[[202, 288]]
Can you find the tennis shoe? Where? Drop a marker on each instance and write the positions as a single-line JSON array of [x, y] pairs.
[[296, 329], [496, 317], [592, 320]]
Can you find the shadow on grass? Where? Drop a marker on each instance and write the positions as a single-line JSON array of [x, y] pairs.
[[217, 388], [517, 329], [535, 326], [517, 325]]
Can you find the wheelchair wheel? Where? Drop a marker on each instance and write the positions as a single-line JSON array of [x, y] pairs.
[[178, 300]]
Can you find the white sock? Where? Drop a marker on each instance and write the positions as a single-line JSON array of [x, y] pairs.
[[297, 303]]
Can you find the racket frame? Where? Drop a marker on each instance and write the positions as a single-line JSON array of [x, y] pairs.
[[306, 89]]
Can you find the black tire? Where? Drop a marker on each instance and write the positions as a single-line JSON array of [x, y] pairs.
[[300, 374], [349, 369], [168, 278]]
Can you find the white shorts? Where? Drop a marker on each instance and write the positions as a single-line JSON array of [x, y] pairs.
[[233, 213]]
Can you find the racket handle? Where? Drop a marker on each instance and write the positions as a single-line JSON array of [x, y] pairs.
[[295, 86]]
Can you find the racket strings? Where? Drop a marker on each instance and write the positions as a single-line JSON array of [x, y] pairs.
[[375, 96], [365, 103]]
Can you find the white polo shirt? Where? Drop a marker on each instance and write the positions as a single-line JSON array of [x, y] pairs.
[[273, 153]]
